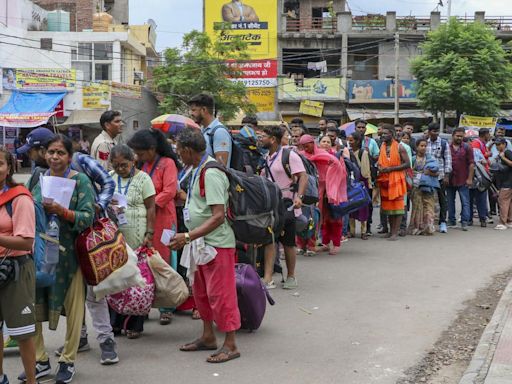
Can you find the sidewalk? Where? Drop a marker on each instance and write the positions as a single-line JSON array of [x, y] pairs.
[[492, 361]]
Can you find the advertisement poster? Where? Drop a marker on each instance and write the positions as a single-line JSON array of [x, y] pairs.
[[128, 91], [254, 21], [24, 120], [263, 98], [312, 108], [39, 79], [314, 89], [477, 122], [96, 95], [255, 73], [377, 90]]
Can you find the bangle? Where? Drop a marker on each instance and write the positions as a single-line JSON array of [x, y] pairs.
[[187, 238]]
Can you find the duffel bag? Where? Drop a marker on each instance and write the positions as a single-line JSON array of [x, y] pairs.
[[357, 198]]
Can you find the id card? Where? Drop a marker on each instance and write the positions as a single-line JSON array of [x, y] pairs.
[[121, 219], [186, 214]]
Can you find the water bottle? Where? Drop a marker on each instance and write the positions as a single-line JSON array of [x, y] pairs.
[[52, 248]]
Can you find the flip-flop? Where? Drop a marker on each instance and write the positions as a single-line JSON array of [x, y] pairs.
[[230, 356], [198, 345]]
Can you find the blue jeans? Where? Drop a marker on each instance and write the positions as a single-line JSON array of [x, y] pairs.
[[480, 199], [464, 202]]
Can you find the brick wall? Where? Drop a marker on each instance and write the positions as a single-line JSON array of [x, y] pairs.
[[80, 11]]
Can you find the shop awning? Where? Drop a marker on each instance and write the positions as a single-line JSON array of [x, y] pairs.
[[374, 114], [83, 117], [29, 110]]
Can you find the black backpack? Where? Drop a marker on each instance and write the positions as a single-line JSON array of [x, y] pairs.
[[311, 195], [245, 155], [256, 207], [351, 166]]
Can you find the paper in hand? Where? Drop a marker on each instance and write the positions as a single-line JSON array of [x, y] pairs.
[[58, 188], [167, 236], [122, 201]]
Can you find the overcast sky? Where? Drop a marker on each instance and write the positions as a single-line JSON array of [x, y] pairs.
[[176, 17]]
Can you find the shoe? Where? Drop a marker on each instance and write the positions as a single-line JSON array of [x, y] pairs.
[[108, 352], [65, 373], [300, 252], [501, 227], [5, 380], [271, 285], [483, 224], [452, 224], [310, 253], [43, 369], [10, 343], [82, 346], [369, 233], [509, 225], [470, 224], [290, 283], [443, 228], [464, 227], [490, 220]]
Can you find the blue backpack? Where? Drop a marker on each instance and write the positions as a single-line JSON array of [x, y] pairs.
[[43, 279]]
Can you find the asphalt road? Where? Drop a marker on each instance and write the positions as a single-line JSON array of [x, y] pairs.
[[363, 316]]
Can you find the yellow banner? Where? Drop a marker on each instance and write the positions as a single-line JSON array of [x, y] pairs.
[[477, 121], [312, 108], [313, 89], [263, 98], [96, 95], [254, 21], [39, 79], [128, 91]]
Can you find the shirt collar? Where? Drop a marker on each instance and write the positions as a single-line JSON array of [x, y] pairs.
[[214, 123]]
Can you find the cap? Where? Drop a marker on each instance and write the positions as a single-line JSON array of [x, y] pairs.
[[500, 140], [306, 139], [37, 138]]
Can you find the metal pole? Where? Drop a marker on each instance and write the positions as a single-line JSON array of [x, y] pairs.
[[397, 77], [449, 9]]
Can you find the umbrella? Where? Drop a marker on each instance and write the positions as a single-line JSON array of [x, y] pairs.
[[173, 124], [349, 128], [471, 133], [371, 129]]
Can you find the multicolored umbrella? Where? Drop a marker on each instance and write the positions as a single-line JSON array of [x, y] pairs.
[[349, 128], [371, 129], [173, 124]]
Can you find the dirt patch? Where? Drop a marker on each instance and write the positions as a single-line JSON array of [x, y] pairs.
[[451, 354]]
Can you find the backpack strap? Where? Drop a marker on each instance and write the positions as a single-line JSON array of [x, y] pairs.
[[7, 197], [211, 135], [208, 165], [285, 159], [34, 179]]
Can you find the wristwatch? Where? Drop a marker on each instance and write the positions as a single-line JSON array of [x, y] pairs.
[[187, 238], [301, 197]]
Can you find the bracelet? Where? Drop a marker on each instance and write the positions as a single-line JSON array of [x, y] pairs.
[[187, 238]]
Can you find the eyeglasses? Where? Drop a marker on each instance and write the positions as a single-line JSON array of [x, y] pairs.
[[121, 165]]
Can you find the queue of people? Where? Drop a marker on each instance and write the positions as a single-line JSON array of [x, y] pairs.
[[406, 178]]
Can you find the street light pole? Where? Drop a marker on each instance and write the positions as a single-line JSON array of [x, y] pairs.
[[397, 78], [449, 9]]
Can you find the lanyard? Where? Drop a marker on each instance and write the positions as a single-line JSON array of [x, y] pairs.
[[152, 168], [127, 185], [194, 176], [65, 176], [274, 159]]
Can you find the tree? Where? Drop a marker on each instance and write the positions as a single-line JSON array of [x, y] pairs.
[[463, 68], [201, 66]]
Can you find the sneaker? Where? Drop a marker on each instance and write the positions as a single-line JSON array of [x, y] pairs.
[[10, 343], [43, 369], [300, 252], [108, 352], [483, 223], [443, 228], [490, 220], [464, 227], [5, 380], [310, 253], [82, 346], [290, 283], [452, 224], [65, 373], [501, 227], [271, 285]]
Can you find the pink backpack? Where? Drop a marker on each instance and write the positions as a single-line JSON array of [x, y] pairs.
[[135, 301]]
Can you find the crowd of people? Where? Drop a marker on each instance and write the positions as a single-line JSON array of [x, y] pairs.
[[169, 185]]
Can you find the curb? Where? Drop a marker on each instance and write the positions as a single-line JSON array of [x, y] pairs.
[[478, 368]]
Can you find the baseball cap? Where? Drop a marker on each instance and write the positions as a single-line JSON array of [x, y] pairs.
[[39, 137], [306, 139]]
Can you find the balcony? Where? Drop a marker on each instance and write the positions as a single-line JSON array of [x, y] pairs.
[[318, 89], [311, 24]]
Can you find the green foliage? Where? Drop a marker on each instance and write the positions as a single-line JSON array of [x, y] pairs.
[[200, 66], [463, 68]]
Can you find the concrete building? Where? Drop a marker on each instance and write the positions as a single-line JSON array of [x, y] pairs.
[[347, 62], [117, 55]]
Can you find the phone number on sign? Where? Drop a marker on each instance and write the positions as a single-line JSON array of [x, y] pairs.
[[257, 83]]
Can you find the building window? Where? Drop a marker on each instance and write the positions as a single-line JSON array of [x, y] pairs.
[[94, 60], [135, 125]]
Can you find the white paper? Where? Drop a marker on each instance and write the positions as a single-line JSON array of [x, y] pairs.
[[167, 236], [58, 188], [122, 201]]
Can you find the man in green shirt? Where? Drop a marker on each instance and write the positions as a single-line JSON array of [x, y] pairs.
[[210, 234]]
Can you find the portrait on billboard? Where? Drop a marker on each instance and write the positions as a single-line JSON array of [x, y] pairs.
[[237, 11]]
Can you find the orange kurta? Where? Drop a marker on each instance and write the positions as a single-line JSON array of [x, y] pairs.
[[392, 185]]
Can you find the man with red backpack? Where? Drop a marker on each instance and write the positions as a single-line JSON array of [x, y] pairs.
[[461, 178]]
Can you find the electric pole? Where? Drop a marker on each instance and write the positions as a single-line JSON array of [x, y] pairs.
[[397, 78], [449, 9]]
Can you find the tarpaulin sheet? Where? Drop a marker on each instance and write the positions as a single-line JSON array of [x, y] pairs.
[[28, 110]]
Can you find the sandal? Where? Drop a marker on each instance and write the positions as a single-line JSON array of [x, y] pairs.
[[197, 345], [166, 318], [229, 355], [133, 334], [364, 236], [195, 314]]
